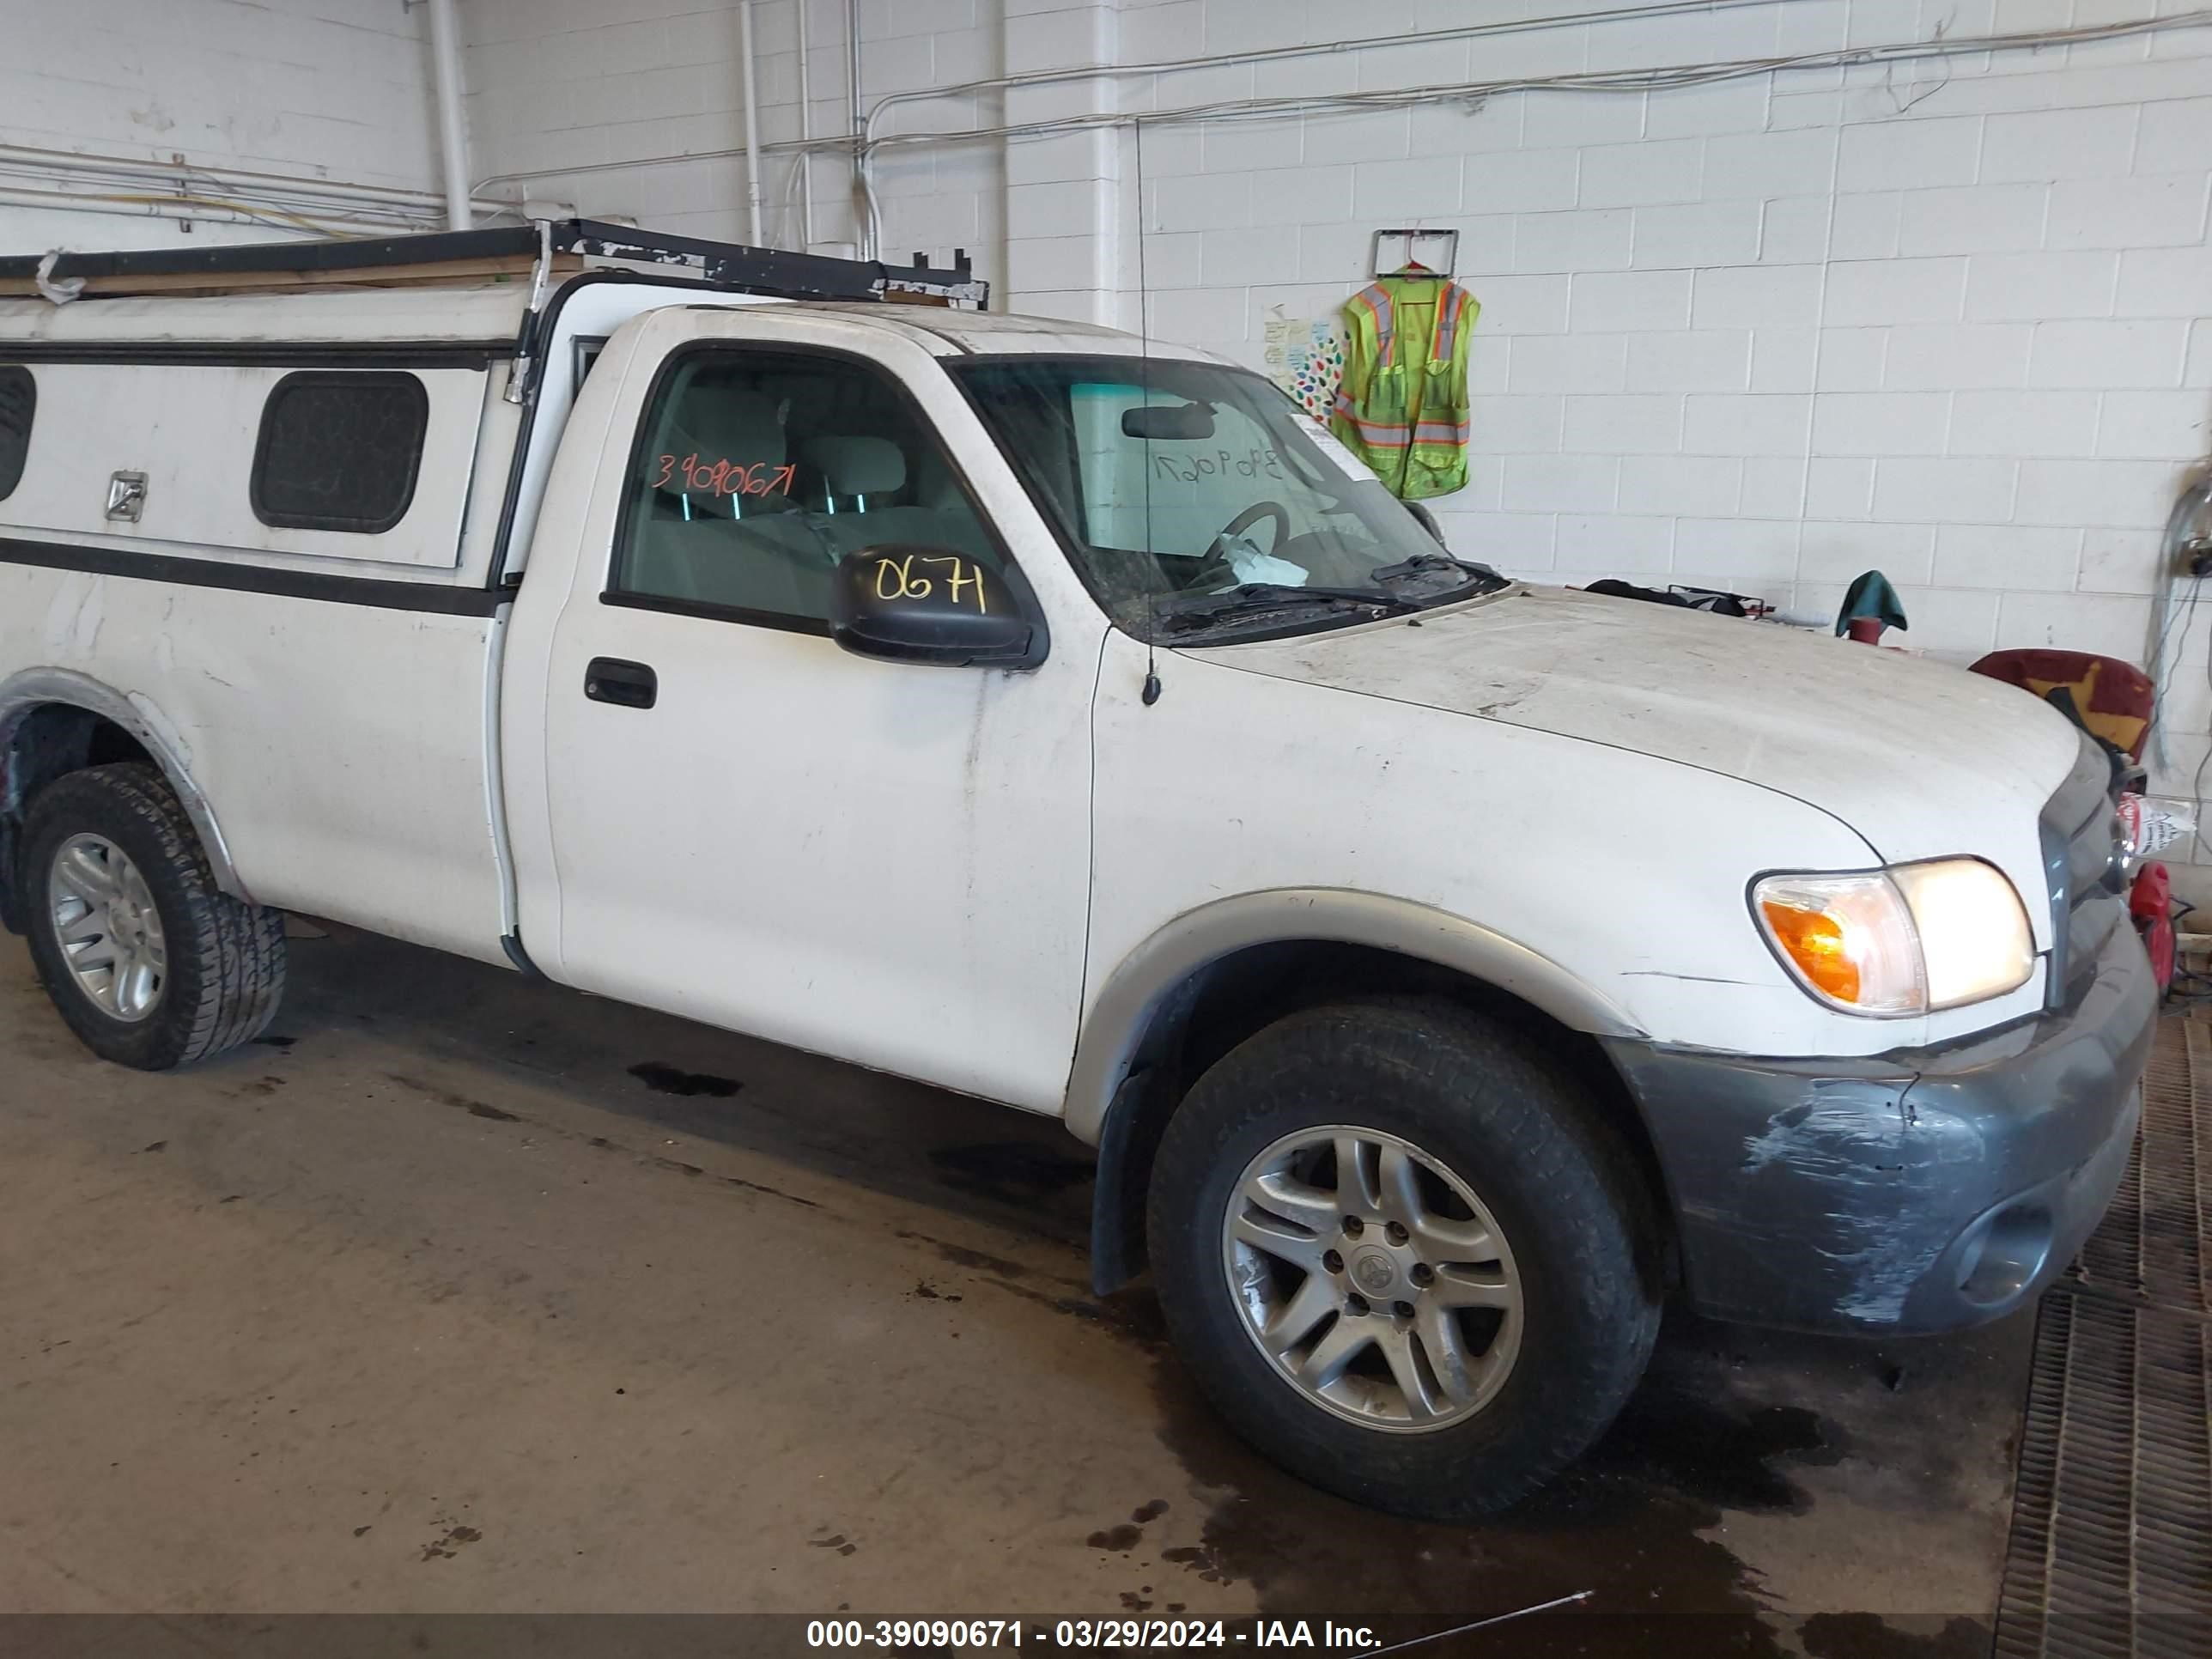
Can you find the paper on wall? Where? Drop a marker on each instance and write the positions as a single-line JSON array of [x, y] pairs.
[[1304, 355]]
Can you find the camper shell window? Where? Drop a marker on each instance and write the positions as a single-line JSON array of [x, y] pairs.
[[19, 401], [340, 450]]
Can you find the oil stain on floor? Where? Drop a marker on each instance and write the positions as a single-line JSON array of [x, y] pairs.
[[1627, 1528], [666, 1079]]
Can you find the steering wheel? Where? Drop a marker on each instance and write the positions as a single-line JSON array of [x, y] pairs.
[[1252, 515], [1216, 571]]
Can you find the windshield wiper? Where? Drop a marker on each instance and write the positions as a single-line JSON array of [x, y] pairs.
[[1188, 610], [1436, 564]]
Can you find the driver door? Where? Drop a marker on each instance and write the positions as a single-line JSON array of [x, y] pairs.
[[745, 823]]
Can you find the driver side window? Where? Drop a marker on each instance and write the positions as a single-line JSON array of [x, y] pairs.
[[756, 471]]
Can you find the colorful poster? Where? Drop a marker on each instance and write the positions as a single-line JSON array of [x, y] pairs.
[[1305, 356]]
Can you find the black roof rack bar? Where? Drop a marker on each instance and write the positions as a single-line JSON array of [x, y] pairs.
[[349, 254], [805, 275]]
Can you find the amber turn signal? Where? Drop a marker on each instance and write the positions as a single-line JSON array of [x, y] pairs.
[[1848, 939], [1815, 941]]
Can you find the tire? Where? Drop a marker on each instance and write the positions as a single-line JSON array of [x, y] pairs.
[[1462, 1098], [213, 972]]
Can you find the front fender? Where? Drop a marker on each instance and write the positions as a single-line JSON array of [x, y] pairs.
[[1113, 1029]]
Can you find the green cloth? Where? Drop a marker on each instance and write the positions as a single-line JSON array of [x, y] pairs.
[[1871, 595]]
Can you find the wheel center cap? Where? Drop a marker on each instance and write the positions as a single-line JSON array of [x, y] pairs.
[[1374, 1272]]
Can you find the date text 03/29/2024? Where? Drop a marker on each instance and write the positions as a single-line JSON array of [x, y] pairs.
[[954, 1634]]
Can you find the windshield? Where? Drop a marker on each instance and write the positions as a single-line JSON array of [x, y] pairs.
[[1192, 497]]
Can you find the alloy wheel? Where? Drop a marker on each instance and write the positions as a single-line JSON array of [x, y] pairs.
[[1373, 1278], [108, 927]]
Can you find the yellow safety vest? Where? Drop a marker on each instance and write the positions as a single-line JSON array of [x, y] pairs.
[[1410, 425]]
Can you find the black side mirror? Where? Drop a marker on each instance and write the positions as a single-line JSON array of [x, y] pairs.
[[1428, 521], [930, 604]]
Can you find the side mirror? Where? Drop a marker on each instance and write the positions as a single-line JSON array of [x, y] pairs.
[[908, 602], [1428, 521]]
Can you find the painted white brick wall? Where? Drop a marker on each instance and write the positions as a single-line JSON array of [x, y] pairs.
[[557, 83], [1952, 319], [336, 88]]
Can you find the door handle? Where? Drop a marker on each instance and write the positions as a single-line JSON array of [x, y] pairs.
[[628, 684]]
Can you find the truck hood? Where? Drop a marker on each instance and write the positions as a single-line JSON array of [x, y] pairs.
[[1920, 758]]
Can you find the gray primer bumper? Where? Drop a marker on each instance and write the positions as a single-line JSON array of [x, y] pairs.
[[1925, 1190]]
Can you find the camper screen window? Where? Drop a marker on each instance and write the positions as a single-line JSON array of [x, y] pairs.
[[340, 450], [19, 399]]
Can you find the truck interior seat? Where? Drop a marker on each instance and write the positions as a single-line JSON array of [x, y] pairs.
[[866, 477], [754, 551]]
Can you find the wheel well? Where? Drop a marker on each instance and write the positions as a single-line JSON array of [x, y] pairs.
[[1232, 998], [46, 743]]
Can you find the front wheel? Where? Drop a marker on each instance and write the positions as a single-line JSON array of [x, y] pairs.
[[1404, 1255], [147, 960]]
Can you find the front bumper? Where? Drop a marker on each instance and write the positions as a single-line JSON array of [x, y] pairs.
[[1925, 1190]]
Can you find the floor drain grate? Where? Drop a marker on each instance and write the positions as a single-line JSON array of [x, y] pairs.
[[2111, 1551], [2151, 1247]]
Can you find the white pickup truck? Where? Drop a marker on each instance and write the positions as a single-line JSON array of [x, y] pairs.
[[1448, 969]]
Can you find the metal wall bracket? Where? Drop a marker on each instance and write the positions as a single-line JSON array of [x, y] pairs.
[[126, 497], [1398, 252]]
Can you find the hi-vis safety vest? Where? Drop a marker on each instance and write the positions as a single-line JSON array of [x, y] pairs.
[[1408, 422]]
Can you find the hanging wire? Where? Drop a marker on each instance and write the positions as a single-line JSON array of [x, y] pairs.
[[1152, 692], [1466, 92]]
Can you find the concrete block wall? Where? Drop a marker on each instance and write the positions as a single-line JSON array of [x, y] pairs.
[[562, 83], [336, 88], [1947, 317]]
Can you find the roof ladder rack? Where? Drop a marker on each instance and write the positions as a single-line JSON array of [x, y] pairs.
[[539, 250]]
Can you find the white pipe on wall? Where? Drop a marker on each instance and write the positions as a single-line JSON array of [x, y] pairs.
[[861, 125], [1615, 80], [806, 162], [167, 174], [858, 128], [750, 69], [196, 209], [453, 139], [89, 182]]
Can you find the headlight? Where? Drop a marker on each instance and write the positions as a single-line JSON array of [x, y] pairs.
[[1908, 940], [1974, 936]]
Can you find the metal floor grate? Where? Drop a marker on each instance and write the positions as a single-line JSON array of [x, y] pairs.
[[2111, 1552], [2151, 1247]]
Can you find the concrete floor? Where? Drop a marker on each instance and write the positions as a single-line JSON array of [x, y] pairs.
[[461, 1293]]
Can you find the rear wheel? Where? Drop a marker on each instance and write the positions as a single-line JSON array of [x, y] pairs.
[[146, 959], [1404, 1255]]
